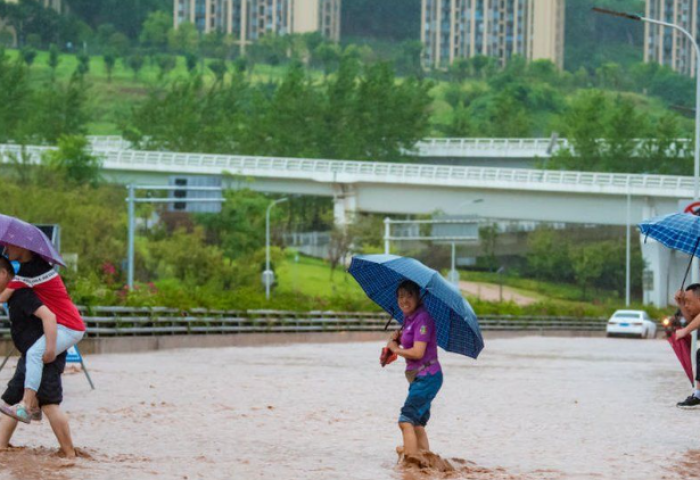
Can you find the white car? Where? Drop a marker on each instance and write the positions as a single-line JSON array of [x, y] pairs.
[[631, 323]]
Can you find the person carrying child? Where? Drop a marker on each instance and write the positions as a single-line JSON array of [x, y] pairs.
[[63, 329]]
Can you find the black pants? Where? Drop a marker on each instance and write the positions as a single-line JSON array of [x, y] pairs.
[[50, 390]]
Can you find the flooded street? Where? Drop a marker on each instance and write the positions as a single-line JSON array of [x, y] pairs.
[[528, 408]]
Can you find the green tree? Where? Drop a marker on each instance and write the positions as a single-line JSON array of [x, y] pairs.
[[461, 125], [588, 266], [625, 127], [508, 117], [28, 55], [191, 60], [219, 69], [127, 16], [328, 56], [184, 38], [185, 256], [480, 63], [155, 31], [610, 75], [548, 256], [240, 65], [410, 59], [166, 63], [60, 110], [83, 64], [53, 60], [135, 63], [662, 152], [289, 121], [391, 116], [74, 160], [212, 45], [119, 44], [110, 60], [460, 69], [583, 126], [104, 34], [15, 98], [240, 226], [271, 49]]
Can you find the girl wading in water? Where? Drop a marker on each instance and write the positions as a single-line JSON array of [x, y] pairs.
[[417, 343]]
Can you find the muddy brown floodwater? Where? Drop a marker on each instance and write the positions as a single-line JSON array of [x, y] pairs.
[[529, 408]]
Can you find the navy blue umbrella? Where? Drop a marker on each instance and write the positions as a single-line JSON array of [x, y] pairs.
[[457, 326], [677, 231]]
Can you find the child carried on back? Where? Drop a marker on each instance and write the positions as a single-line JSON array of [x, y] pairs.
[[61, 332]]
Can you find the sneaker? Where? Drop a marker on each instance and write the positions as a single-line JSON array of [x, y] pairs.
[[690, 402], [18, 412]]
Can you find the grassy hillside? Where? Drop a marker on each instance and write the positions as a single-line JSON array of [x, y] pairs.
[[111, 101]]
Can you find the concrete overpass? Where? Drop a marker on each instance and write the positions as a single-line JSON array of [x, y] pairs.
[[396, 188]]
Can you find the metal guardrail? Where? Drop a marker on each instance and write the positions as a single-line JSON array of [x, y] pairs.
[[127, 321], [343, 171]]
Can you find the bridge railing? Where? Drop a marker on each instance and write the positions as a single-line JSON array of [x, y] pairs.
[[129, 321], [486, 147], [358, 171], [444, 147]]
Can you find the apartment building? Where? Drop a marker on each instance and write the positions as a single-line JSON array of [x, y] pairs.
[[452, 29], [667, 46], [248, 20]]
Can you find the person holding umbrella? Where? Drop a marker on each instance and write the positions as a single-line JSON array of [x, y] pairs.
[[688, 302], [681, 232], [417, 343], [432, 313], [63, 328]]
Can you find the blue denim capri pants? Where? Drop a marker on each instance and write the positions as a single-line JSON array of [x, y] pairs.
[[421, 392]]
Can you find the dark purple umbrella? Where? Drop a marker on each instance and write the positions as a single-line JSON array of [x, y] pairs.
[[14, 231]]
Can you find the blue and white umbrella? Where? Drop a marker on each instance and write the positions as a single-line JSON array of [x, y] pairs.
[[457, 326], [677, 231]]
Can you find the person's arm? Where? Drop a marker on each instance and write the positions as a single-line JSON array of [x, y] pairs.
[[48, 320], [6, 294], [416, 352]]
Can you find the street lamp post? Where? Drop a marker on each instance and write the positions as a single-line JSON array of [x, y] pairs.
[[628, 248], [268, 275]]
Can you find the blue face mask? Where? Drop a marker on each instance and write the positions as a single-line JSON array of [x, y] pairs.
[[15, 265]]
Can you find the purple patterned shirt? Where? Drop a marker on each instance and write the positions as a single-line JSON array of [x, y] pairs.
[[420, 327]]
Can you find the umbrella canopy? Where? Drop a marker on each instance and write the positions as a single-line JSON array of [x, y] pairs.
[[682, 350], [678, 231], [457, 326], [14, 231]]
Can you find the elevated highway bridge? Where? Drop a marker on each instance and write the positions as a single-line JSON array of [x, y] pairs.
[[412, 188]]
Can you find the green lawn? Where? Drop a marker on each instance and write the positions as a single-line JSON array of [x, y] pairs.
[[111, 101], [312, 277]]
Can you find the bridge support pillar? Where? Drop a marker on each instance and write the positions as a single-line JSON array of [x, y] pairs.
[[657, 259], [344, 205]]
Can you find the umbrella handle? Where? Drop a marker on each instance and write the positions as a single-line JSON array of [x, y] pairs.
[[685, 277], [386, 327]]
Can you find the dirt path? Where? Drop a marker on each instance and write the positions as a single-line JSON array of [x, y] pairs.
[[491, 293]]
